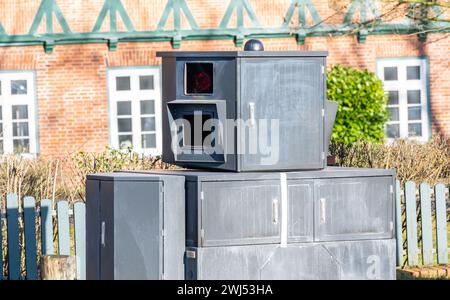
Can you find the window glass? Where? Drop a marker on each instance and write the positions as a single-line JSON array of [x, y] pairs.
[[124, 108], [146, 82], [148, 124], [20, 129], [19, 112], [147, 107], [393, 130], [21, 146], [125, 141], [413, 73], [394, 114], [415, 129], [148, 141], [123, 83], [393, 97], [390, 73], [414, 113], [124, 125], [19, 87], [414, 97]]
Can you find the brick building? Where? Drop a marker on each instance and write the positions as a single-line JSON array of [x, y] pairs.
[[82, 75]]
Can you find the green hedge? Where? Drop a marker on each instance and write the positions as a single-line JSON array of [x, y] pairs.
[[362, 101]]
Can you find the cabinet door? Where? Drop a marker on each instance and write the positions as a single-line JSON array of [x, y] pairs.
[[106, 230], [240, 212], [290, 91], [92, 229], [353, 208], [300, 210], [138, 208]]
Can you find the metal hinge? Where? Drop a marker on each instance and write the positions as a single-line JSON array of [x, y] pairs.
[[163, 233], [190, 254], [392, 189], [323, 155], [323, 69], [323, 113], [202, 196]]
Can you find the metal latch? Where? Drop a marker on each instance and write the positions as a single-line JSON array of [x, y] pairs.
[[322, 211], [103, 233], [275, 205], [190, 254]]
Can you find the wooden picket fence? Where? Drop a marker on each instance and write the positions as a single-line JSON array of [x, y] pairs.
[[422, 217], [28, 223]]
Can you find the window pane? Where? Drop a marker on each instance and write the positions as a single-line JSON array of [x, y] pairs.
[[19, 112], [124, 125], [123, 83], [393, 97], [22, 146], [413, 73], [20, 129], [147, 107], [1, 147], [393, 131], [390, 73], [124, 108], [148, 124], [146, 82], [415, 129], [125, 141], [394, 115], [148, 141], [1, 130], [414, 113], [18, 87], [414, 97]]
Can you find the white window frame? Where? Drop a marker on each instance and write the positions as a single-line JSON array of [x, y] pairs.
[[402, 85], [135, 95], [7, 100]]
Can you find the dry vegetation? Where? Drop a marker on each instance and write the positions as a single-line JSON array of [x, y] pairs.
[[414, 161]]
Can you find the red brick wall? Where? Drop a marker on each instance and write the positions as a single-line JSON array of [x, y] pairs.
[[72, 83]]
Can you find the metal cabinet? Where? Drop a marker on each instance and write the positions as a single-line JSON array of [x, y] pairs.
[[235, 212], [277, 94], [135, 226], [354, 208], [289, 91], [371, 259]]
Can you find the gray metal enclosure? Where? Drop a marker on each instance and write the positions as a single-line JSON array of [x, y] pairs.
[[288, 87], [135, 226], [334, 204]]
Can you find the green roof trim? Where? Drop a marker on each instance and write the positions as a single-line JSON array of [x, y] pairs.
[[47, 8]]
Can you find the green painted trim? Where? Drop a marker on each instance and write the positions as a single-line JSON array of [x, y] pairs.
[[113, 7], [362, 6], [176, 7], [213, 34], [239, 6], [48, 8], [427, 79], [302, 6]]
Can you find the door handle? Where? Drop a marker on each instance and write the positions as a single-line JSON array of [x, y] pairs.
[[251, 112], [322, 210], [102, 234], [275, 211]]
